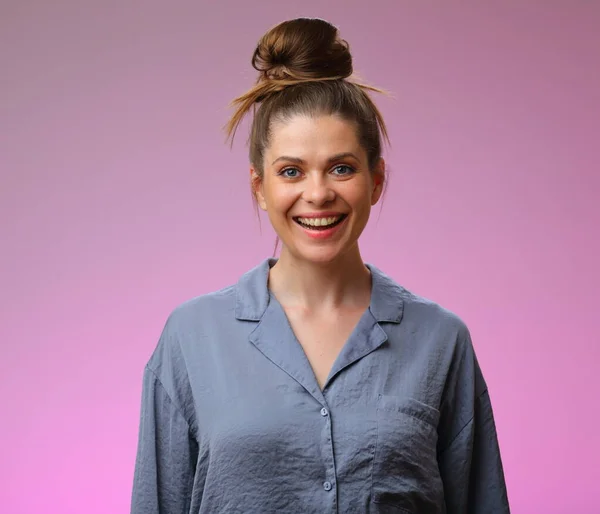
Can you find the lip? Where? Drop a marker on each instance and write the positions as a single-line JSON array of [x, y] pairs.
[[325, 214], [322, 234]]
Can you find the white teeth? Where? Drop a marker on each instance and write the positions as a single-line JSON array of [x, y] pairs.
[[319, 222]]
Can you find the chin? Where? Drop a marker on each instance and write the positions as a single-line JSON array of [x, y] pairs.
[[317, 255]]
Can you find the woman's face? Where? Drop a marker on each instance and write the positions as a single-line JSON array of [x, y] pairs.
[[317, 188]]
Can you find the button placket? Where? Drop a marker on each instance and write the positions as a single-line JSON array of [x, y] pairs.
[[328, 485]]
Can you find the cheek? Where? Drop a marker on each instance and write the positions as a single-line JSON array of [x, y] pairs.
[[279, 199], [359, 197]]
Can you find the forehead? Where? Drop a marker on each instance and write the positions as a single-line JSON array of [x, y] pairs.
[[307, 136]]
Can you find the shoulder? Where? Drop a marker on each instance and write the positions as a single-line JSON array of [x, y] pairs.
[[441, 333], [422, 324], [446, 332], [425, 311], [194, 312], [209, 318], [189, 323], [411, 308]]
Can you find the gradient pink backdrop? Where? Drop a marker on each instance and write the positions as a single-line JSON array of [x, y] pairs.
[[119, 200]]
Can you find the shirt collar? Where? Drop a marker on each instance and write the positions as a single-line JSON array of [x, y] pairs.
[[252, 294]]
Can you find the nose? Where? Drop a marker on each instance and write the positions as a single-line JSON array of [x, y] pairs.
[[318, 191]]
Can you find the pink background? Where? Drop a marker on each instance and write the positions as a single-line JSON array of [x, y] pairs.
[[119, 200]]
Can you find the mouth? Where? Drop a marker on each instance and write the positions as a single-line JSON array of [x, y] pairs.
[[320, 224]]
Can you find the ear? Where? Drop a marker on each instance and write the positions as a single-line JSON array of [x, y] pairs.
[[256, 184], [378, 181]]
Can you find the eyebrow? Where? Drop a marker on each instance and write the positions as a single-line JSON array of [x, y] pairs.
[[333, 158]]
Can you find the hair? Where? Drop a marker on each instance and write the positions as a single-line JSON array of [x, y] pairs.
[[305, 68]]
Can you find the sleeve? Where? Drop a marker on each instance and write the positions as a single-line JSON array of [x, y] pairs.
[[471, 467], [469, 454], [166, 454]]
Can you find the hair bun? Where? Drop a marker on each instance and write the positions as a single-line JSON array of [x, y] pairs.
[[302, 49]]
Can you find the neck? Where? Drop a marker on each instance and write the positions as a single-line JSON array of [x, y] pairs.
[[343, 283]]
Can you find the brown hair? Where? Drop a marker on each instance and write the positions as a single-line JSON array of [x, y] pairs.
[[303, 68]]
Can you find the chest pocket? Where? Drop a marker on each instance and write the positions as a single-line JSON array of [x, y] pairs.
[[405, 469]]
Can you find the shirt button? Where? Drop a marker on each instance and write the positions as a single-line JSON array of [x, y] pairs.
[[324, 413], [327, 486]]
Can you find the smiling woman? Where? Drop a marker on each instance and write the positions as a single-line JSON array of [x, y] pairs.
[[317, 187], [316, 383]]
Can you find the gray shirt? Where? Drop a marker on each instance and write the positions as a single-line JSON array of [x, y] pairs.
[[233, 419]]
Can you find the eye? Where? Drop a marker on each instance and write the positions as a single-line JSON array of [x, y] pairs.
[[289, 173], [343, 170]]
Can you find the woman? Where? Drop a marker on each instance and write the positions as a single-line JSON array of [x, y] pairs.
[[316, 383]]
